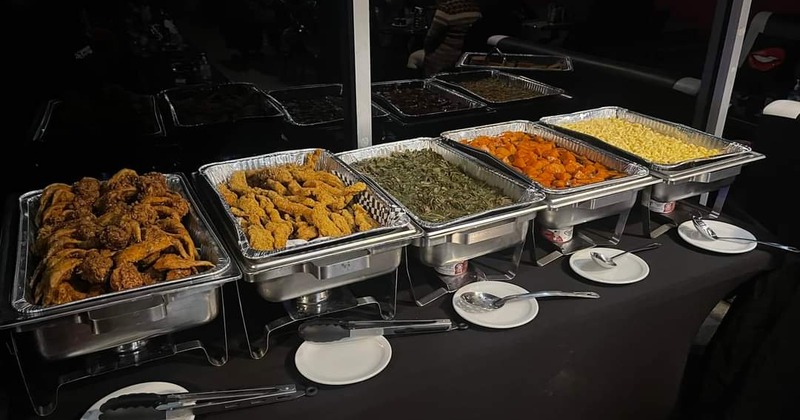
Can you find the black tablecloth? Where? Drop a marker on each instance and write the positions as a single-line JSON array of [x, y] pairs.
[[621, 356]]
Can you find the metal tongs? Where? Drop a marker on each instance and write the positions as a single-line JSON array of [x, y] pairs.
[[496, 52], [329, 330], [149, 406]]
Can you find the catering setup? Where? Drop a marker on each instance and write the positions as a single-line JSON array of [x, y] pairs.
[[256, 252]]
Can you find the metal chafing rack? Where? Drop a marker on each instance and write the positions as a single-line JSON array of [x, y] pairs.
[[470, 105], [534, 62], [677, 181], [568, 207], [540, 90], [308, 277], [281, 96], [124, 322], [470, 236], [169, 95]]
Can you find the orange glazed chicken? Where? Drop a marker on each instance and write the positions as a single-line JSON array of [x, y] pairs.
[[542, 160]]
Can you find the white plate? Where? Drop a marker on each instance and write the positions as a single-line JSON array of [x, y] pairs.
[[689, 234], [93, 413], [512, 314], [630, 268], [343, 362]]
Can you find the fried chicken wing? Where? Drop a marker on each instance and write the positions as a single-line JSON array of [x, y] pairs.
[[173, 262], [126, 276], [95, 236], [96, 266], [88, 189]]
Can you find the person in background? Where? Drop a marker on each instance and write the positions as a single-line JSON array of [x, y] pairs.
[[444, 43]]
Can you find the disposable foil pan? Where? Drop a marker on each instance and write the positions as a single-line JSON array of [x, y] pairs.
[[389, 217], [43, 128], [281, 96], [514, 81], [633, 170], [428, 84], [535, 62], [208, 245], [523, 195], [271, 111], [687, 134]]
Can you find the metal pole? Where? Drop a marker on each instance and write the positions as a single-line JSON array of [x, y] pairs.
[[362, 79], [728, 65]]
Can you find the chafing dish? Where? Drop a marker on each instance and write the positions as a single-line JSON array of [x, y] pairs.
[[118, 318], [317, 265], [516, 62], [540, 90], [179, 120], [632, 170], [470, 236], [678, 181], [282, 96], [465, 104], [687, 134]]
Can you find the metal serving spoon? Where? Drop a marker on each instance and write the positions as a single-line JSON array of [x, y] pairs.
[[489, 301], [709, 233], [608, 262]]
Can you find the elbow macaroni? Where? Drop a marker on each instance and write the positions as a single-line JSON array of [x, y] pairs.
[[641, 141]]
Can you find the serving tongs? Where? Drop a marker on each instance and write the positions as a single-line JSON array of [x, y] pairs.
[[150, 406], [495, 52], [330, 330]]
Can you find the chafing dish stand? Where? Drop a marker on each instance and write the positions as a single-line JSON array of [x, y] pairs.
[[375, 298], [675, 187]]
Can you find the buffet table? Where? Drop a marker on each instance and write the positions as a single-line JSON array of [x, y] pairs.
[[621, 356]]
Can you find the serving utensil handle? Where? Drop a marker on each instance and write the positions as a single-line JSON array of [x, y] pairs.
[[551, 293], [772, 244]]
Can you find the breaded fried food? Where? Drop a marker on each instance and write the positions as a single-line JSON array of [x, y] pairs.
[[229, 196], [260, 238], [321, 219], [100, 236], [364, 221], [294, 201], [173, 262], [341, 223], [281, 231], [305, 231]]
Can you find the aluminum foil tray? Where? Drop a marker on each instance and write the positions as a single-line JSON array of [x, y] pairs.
[[208, 245], [524, 195], [390, 217], [428, 84], [536, 62], [688, 134], [633, 170], [42, 129], [280, 96], [542, 90], [270, 110]]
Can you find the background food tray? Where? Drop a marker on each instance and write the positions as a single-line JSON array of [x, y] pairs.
[[535, 62], [281, 96], [541, 90], [524, 195], [389, 217], [688, 134], [208, 245], [470, 104], [184, 92], [633, 170]]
